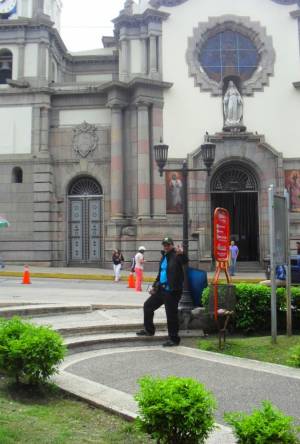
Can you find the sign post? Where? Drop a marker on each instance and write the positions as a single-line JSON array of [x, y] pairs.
[[279, 253], [289, 326], [221, 250]]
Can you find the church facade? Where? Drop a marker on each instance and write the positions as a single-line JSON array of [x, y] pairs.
[[78, 174]]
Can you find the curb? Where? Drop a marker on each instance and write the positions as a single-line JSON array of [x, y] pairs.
[[102, 277], [86, 277]]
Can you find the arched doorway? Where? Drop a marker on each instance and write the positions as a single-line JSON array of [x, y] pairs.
[[234, 187], [85, 222]]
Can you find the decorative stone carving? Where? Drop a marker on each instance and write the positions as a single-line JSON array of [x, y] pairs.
[[129, 231], [245, 26], [233, 108], [128, 7], [85, 139]]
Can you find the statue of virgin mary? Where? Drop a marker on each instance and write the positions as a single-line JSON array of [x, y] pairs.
[[233, 106]]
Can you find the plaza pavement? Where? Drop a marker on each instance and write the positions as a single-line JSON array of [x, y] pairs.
[[107, 376]]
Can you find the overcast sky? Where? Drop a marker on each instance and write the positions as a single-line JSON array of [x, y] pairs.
[[84, 23]]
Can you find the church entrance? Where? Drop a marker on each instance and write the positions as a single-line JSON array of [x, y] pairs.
[[234, 187], [85, 222]]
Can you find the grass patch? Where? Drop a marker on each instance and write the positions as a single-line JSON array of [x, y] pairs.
[[259, 348], [29, 416]]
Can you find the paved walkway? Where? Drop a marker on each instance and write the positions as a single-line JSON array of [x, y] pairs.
[[109, 378]]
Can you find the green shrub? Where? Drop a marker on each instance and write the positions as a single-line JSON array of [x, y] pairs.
[[175, 410], [295, 296], [295, 356], [29, 352], [253, 304], [265, 426]]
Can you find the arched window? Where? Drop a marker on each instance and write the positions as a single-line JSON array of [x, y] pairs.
[[233, 177], [229, 53], [85, 186], [17, 175], [6, 61]]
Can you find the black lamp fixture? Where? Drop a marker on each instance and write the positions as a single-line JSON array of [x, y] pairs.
[[208, 151], [161, 156]]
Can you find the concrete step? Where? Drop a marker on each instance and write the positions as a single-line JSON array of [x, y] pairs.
[[43, 310], [82, 330], [77, 344], [249, 267]]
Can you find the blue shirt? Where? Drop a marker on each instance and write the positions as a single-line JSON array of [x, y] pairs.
[[163, 277]]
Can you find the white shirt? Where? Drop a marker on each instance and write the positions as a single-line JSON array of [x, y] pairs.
[[139, 260]]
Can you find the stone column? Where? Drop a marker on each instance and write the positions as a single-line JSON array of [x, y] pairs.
[[44, 129], [153, 56], [124, 61], [37, 7], [144, 46], [42, 55], [143, 185], [36, 129], [159, 185], [21, 60], [117, 163]]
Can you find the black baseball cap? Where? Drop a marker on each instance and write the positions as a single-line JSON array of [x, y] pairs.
[[167, 241]]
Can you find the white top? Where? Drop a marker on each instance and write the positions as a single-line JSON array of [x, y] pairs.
[[139, 260]]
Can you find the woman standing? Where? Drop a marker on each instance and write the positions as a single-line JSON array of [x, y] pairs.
[[139, 267], [117, 259]]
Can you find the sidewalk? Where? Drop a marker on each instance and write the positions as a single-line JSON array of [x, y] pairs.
[[100, 273]]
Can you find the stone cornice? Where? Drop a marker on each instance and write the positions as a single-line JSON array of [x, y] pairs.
[[22, 91], [117, 85], [95, 58], [138, 20], [138, 81]]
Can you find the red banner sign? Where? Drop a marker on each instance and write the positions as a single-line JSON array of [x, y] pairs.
[[221, 234]]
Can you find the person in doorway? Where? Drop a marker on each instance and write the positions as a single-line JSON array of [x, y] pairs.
[[139, 268], [117, 260], [166, 290], [233, 255]]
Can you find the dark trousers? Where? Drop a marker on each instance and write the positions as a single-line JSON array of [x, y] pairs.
[[170, 301]]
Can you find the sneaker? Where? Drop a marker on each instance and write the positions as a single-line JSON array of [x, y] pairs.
[[144, 333], [170, 343]]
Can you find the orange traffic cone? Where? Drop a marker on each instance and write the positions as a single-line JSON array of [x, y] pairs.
[[131, 281], [26, 275]]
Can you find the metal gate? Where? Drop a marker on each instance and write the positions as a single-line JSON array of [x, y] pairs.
[[85, 222]]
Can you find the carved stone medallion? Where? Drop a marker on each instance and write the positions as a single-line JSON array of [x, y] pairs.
[[85, 139]]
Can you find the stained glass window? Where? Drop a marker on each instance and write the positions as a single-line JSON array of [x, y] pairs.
[[229, 53]]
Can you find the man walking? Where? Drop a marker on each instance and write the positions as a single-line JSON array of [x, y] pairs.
[[166, 290], [233, 255]]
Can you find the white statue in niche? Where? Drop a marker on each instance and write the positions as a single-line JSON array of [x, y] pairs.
[[233, 106]]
